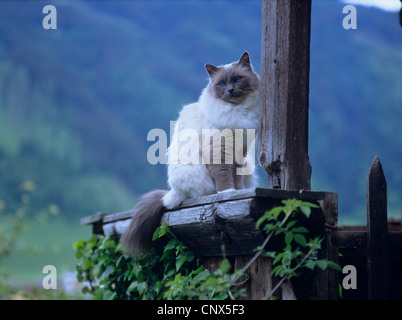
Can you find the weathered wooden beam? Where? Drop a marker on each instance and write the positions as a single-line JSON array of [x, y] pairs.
[[327, 280], [259, 273], [207, 223], [218, 198], [285, 69], [377, 232], [98, 217], [352, 238], [349, 238], [215, 229]]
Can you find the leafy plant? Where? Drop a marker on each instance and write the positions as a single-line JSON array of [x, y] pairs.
[[11, 223], [176, 273], [294, 255]]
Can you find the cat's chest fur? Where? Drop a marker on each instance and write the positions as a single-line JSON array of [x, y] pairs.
[[221, 115]]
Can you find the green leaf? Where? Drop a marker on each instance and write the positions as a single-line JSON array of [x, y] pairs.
[[180, 260], [133, 286], [322, 264], [309, 204], [275, 212], [315, 244], [300, 230], [108, 295], [198, 271], [142, 286], [334, 265], [160, 231], [169, 273], [225, 266], [203, 275], [269, 227], [260, 221], [108, 271], [269, 254], [291, 224], [269, 215], [310, 264], [158, 287], [300, 239], [171, 245], [306, 210], [288, 238]]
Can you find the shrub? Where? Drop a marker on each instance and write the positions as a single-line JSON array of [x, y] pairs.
[[178, 274]]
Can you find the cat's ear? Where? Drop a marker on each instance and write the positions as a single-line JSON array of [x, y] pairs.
[[211, 69], [245, 60]]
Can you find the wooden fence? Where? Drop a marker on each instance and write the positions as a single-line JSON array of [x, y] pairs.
[[224, 224]]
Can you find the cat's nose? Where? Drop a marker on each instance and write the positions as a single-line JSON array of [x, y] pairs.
[[231, 91]]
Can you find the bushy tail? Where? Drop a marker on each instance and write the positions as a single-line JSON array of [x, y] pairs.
[[137, 237]]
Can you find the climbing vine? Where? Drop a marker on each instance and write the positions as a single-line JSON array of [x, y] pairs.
[[176, 273]]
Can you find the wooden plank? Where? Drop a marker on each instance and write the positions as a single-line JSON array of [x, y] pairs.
[[254, 192], [212, 263], [395, 239], [358, 238], [377, 231], [327, 280], [329, 206], [260, 281], [285, 64], [118, 216], [92, 218], [115, 228], [207, 228], [306, 195], [220, 197], [349, 238]]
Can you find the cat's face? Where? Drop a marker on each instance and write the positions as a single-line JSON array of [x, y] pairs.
[[233, 83]]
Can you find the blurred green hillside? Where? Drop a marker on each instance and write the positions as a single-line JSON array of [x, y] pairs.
[[76, 103]]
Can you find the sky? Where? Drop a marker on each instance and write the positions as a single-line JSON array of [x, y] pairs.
[[387, 5]]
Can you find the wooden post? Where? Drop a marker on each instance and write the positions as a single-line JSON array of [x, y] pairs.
[[283, 141], [400, 16], [327, 280], [259, 282], [285, 69], [377, 231]]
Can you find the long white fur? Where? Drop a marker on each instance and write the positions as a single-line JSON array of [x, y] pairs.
[[193, 180]]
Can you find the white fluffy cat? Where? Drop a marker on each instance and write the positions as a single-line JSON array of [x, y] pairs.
[[229, 102]]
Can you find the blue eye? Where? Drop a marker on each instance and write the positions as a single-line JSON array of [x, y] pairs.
[[238, 79], [222, 83]]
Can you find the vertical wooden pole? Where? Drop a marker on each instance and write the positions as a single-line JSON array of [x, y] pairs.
[[400, 16], [377, 230], [285, 69], [328, 280], [260, 281], [283, 140]]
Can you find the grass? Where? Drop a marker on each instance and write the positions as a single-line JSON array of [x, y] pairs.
[[40, 244]]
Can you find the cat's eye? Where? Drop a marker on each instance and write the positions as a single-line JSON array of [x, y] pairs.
[[222, 83], [238, 79]]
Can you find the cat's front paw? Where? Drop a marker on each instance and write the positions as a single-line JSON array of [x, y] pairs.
[[227, 190]]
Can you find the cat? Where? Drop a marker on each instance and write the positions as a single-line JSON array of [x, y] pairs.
[[229, 103]]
